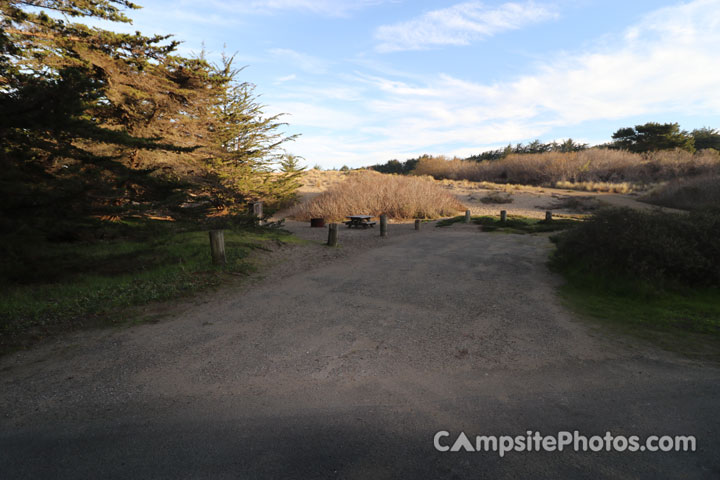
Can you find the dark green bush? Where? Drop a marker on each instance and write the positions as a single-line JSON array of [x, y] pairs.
[[660, 248]]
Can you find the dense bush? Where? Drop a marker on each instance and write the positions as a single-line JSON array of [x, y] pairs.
[[688, 193], [660, 248], [372, 193]]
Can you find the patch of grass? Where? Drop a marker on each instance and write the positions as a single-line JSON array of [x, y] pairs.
[[54, 287], [513, 224], [686, 321], [521, 225]]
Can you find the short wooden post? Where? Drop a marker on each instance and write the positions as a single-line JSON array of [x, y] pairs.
[[332, 235], [217, 247], [467, 216], [503, 216], [548, 216], [258, 210], [417, 224], [383, 225]]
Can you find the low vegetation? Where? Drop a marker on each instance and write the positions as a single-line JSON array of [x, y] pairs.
[[593, 165], [51, 287], [497, 198], [645, 270], [513, 224], [372, 193], [688, 193]]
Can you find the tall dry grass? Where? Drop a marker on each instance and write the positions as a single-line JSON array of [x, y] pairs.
[[372, 193], [594, 165]]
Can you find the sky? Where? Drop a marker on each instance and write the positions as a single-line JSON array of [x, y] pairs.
[[366, 81]]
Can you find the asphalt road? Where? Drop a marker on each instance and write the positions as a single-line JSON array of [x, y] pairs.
[[349, 369]]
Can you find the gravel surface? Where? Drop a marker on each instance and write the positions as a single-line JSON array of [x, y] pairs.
[[343, 363]]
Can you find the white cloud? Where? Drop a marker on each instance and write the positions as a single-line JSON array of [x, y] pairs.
[[460, 24]]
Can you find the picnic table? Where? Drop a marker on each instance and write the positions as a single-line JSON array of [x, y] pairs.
[[358, 221]]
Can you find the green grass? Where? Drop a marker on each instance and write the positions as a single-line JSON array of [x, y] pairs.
[[685, 321], [53, 287], [513, 224]]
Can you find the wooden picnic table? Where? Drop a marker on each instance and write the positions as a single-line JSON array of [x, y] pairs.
[[358, 221]]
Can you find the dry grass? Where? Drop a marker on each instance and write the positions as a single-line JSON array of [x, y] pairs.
[[689, 194], [372, 193], [594, 167], [610, 187], [320, 180]]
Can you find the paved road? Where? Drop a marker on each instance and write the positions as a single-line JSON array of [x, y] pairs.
[[348, 370]]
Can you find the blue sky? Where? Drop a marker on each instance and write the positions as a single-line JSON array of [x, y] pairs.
[[365, 81]]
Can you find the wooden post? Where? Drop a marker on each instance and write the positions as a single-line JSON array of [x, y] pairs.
[[467, 216], [548, 216], [503, 216], [257, 212], [217, 247], [257, 209], [417, 224], [383, 225], [332, 235]]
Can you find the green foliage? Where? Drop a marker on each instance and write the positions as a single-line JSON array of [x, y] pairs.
[[662, 249], [287, 182], [246, 145], [397, 167], [706, 137], [653, 136], [535, 146]]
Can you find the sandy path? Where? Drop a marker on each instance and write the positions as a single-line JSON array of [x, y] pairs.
[[345, 365]]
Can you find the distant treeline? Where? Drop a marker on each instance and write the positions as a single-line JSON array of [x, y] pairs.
[[649, 137]]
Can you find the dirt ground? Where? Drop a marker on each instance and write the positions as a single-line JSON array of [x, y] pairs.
[[344, 363]]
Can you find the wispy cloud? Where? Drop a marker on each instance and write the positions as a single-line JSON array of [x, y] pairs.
[[329, 8], [460, 24], [286, 78], [303, 61]]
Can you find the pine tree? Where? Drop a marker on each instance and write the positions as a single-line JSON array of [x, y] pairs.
[[96, 121], [246, 143]]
